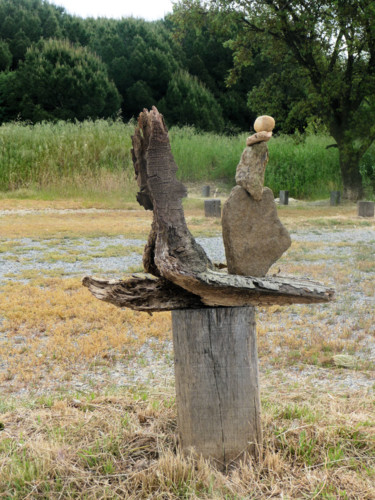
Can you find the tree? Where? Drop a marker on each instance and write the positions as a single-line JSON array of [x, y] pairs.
[[140, 57], [189, 102], [61, 82], [333, 43]]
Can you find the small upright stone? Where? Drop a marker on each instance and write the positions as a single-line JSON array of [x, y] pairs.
[[366, 209], [250, 170], [334, 199], [206, 191], [212, 208], [284, 197]]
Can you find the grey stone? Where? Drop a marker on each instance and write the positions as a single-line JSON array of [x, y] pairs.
[[335, 198], [366, 209], [212, 208], [284, 197], [250, 170], [254, 238]]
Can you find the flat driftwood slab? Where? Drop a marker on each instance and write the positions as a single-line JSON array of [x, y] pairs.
[[147, 293]]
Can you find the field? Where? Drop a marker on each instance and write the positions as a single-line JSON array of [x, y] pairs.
[[91, 161], [87, 407]]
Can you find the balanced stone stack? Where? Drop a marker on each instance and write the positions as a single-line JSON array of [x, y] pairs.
[[254, 238]]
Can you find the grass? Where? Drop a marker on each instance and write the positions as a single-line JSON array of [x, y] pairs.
[[123, 445], [90, 162], [87, 407]]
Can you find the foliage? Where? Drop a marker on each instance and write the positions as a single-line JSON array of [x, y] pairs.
[[140, 57], [334, 45], [48, 154], [188, 102], [206, 55], [23, 22], [61, 82]]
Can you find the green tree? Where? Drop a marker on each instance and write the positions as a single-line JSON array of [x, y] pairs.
[[333, 43], [206, 55], [188, 102], [58, 81], [140, 56], [5, 56]]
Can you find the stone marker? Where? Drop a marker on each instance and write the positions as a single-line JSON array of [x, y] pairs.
[[251, 168], [212, 208], [253, 235], [335, 198], [366, 209], [284, 197], [206, 191]]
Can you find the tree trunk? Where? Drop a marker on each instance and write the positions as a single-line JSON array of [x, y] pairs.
[[351, 176], [217, 389]]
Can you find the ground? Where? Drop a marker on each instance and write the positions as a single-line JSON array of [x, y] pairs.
[[88, 396]]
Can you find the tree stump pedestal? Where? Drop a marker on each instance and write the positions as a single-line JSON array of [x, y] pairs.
[[214, 335], [217, 386]]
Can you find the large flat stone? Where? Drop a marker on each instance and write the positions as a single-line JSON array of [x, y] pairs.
[[254, 238]]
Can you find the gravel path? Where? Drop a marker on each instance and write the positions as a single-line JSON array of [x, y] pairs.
[[154, 362]]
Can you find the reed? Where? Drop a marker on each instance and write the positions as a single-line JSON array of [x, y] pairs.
[[92, 160]]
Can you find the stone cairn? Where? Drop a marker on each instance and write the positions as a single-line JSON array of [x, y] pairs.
[[253, 235]]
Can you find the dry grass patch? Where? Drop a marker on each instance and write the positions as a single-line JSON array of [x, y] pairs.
[[53, 326], [124, 446]]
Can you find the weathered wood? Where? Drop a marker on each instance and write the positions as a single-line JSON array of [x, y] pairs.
[[146, 293], [217, 388], [212, 208], [366, 209], [171, 250]]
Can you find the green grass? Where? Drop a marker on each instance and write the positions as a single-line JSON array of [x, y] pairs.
[[91, 160]]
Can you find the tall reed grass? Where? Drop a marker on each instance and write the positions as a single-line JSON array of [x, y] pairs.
[[66, 159], [93, 158]]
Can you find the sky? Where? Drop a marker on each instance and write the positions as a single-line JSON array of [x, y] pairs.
[[146, 9]]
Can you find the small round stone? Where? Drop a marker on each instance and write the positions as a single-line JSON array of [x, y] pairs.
[[264, 124]]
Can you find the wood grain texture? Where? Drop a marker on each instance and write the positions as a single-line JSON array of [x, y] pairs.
[[147, 293], [217, 388]]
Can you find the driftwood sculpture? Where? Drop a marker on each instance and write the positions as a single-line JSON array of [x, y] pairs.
[[172, 254], [214, 336]]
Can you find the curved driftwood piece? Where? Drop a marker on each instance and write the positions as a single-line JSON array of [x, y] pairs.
[[171, 250], [146, 293]]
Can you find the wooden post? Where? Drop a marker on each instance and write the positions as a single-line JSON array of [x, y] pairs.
[[284, 197], [366, 209], [217, 388], [206, 191], [212, 208], [335, 198]]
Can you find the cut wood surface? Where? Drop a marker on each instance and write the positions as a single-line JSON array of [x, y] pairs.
[[217, 388], [147, 293]]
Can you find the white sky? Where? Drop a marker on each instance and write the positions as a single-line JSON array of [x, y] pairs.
[[146, 9]]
